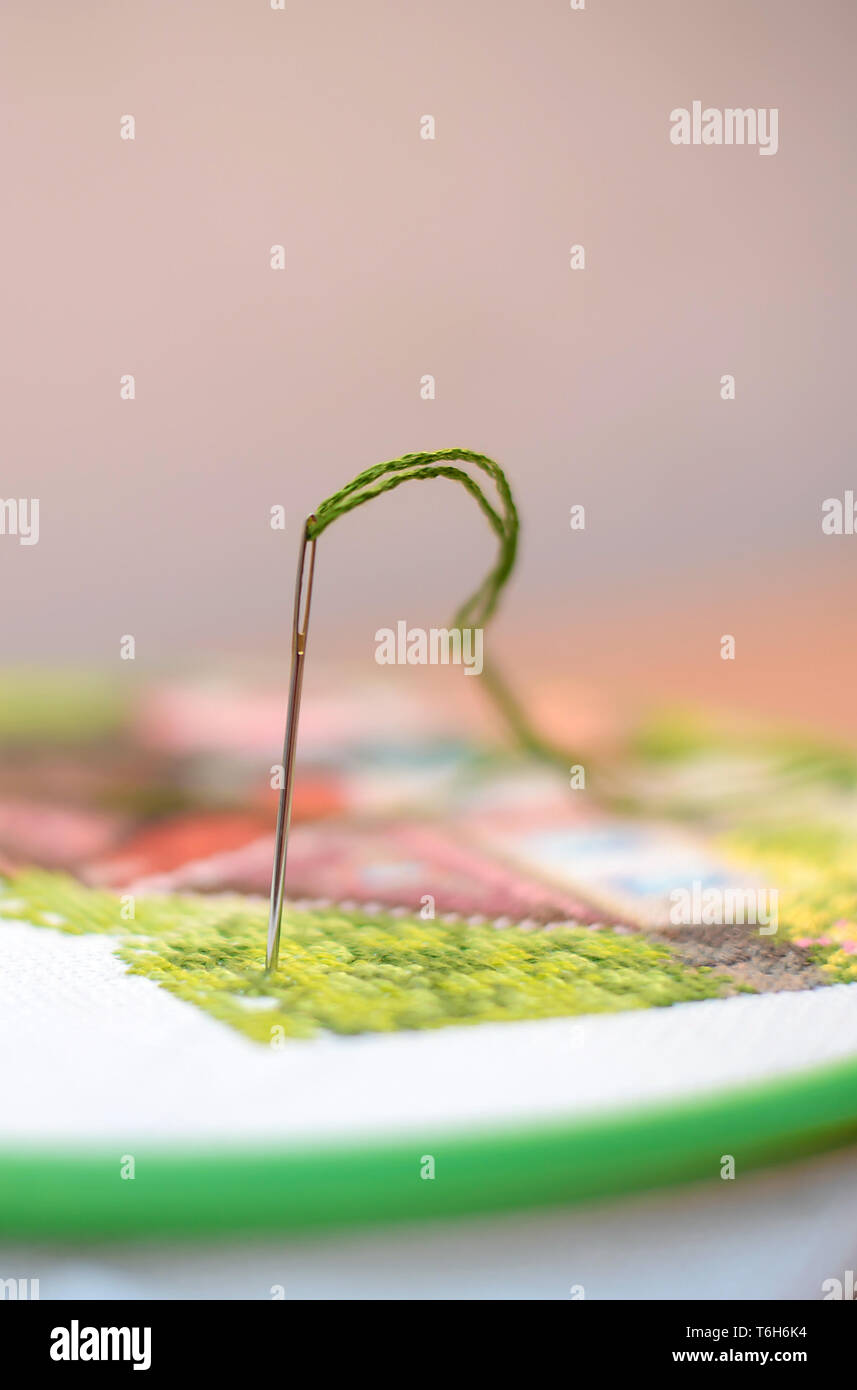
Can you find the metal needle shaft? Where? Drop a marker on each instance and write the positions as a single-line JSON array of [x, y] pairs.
[[303, 595]]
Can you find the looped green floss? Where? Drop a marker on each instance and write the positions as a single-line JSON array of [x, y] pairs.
[[384, 477], [503, 519]]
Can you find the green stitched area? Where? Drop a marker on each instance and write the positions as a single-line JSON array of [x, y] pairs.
[[680, 735], [356, 973], [57, 706]]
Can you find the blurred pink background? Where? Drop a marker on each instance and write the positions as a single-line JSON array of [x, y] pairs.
[[404, 257]]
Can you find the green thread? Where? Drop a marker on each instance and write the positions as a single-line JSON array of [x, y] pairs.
[[476, 611], [480, 607]]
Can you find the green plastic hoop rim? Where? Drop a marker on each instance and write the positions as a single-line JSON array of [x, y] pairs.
[[79, 1193]]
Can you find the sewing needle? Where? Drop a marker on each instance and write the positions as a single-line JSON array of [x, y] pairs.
[[303, 595]]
